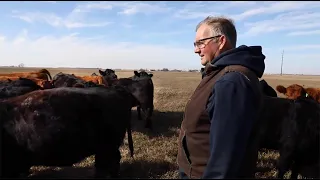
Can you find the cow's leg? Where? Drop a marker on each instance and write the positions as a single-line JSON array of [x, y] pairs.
[[282, 168], [107, 162], [294, 171], [15, 163], [139, 112], [285, 160], [15, 171], [148, 118]]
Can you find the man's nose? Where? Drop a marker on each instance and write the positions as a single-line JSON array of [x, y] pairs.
[[196, 49]]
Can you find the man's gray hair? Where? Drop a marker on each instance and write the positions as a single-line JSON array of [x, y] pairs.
[[221, 25]]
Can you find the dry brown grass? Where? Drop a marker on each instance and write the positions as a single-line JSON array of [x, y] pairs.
[[155, 153]]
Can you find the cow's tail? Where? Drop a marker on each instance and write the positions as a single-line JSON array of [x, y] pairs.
[[45, 71], [130, 141]]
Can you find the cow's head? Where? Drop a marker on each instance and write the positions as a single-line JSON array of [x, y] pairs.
[[109, 76], [293, 91], [141, 89], [141, 75]]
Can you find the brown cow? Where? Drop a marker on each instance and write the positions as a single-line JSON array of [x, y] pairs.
[[106, 80], [295, 90], [41, 74], [45, 84], [94, 79], [314, 93]]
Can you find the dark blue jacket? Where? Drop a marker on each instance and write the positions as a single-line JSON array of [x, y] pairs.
[[232, 108]]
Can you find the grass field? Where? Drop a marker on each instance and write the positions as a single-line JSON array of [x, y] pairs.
[[155, 153]]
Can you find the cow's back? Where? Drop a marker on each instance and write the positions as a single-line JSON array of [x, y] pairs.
[[12, 88]]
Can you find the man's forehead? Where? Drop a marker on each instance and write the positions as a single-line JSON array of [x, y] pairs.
[[202, 32]]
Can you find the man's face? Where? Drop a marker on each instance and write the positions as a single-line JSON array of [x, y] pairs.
[[207, 49]]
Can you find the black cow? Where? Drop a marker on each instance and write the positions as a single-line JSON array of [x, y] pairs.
[[147, 106], [109, 76], [274, 111], [70, 80], [267, 89], [12, 88], [300, 140], [141, 75], [61, 126], [292, 127], [147, 92]]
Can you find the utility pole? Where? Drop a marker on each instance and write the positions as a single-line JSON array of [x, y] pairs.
[[282, 62]]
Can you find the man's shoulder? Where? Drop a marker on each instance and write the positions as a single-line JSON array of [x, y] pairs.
[[239, 75], [234, 77]]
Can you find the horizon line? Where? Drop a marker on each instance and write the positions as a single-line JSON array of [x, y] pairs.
[[148, 69]]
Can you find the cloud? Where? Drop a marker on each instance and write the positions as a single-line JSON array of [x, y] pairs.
[[304, 33], [202, 9], [2, 38], [302, 47], [163, 34], [52, 2], [295, 59], [74, 51], [126, 8], [276, 7], [87, 7], [169, 25], [55, 21], [193, 10], [290, 21], [264, 17], [127, 25], [145, 8], [78, 17]]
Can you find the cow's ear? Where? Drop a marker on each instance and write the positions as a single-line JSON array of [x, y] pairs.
[[150, 75], [136, 73], [102, 73]]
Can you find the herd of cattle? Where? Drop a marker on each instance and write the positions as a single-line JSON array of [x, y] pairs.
[[61, 120]]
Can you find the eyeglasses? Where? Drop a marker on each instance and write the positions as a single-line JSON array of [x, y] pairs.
[[200, 43]]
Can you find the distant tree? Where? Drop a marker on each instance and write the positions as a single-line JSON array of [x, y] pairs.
[[21, 65], [142, 70], [165, 69]]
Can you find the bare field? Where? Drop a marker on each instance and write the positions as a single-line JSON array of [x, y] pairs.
[[155, 153]]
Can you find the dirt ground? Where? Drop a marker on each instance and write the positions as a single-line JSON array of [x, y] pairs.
[[155, 153]]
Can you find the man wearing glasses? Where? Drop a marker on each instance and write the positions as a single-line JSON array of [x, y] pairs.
[[218, 136]]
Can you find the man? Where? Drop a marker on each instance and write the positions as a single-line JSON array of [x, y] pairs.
[[217, 136]]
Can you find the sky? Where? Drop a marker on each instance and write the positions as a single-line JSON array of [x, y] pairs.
[[156, 35]]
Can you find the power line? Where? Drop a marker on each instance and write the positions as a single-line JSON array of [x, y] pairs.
[[282, 62]]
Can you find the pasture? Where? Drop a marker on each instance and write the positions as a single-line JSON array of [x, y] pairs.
[[155, 152]]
